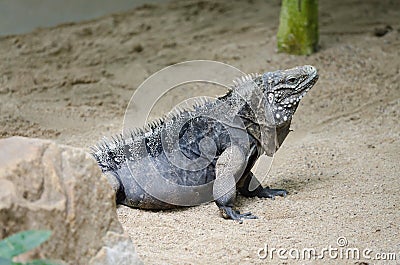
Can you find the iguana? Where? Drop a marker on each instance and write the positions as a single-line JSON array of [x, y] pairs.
[[208, 150]]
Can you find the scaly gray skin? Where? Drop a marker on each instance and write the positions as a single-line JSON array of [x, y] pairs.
[[251, 119]]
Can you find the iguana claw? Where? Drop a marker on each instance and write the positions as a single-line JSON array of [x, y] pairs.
[[271, 193], [229, 213]]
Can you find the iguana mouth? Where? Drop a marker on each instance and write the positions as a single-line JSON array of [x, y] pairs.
[[294, 98]]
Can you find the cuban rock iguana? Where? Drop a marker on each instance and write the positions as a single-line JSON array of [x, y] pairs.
[[216, 145]]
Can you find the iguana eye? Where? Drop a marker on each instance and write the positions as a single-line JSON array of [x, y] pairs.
[[291, 80]]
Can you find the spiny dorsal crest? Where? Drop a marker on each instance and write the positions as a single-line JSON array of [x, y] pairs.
[[238, 82], [111, 153]]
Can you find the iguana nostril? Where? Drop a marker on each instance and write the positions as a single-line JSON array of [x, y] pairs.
[[310, 68]]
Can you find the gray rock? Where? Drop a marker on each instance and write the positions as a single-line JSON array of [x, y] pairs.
[[118, 249], [48, 186]]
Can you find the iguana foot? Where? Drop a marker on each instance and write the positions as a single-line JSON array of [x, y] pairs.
[[229, 213], [259, 191], [271, 193]]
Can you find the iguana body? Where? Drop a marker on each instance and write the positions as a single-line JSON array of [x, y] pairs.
[[209, 150]]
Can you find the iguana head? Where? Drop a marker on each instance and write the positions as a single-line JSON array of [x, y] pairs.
[[284, 89]]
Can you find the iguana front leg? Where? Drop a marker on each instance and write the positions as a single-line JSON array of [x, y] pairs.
[[229, 168], [255, 189]]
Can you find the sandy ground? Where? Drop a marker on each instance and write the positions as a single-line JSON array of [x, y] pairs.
[[341, 166]]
